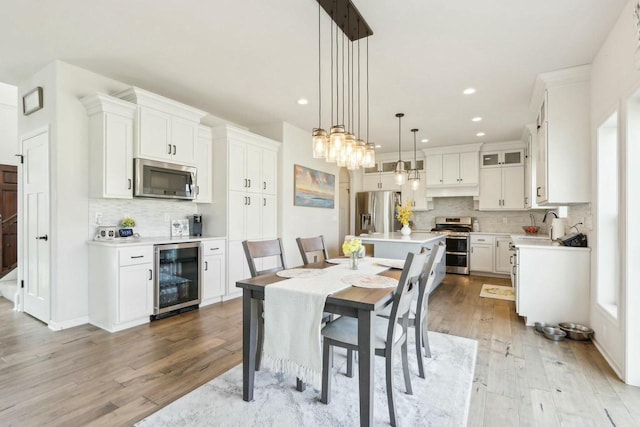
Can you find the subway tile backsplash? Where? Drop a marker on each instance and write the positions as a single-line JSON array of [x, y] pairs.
[[496, 221], [149, 214]]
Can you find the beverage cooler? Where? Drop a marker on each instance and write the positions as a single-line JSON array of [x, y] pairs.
[[177, 278]]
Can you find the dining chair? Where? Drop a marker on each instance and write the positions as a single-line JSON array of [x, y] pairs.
[[312, 249], [254, 250], [389, 334], [419, 310]]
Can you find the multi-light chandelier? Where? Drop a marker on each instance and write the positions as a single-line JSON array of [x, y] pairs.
[[343, 145]]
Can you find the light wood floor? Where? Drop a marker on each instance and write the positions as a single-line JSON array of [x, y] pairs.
[[85, 376]]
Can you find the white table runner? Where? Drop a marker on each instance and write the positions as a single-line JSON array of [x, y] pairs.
[[292, 316]]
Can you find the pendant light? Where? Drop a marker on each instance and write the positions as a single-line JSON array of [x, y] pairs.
[[369, 156], [414, 174], [319, 135], [399, 173]]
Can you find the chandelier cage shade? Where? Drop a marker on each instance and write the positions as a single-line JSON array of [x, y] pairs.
[[343, 145], [414, 173]]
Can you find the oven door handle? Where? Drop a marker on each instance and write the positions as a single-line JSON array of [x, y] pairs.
[[457, 237], [457, 253]]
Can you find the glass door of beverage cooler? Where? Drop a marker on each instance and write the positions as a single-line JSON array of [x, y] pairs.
[[177, 276]]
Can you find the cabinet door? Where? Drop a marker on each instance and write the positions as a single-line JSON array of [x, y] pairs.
[[371, 182], [491, 159], [513, 187], [253, 166], [469, 168], [481, 258], [204, 162], [387, 183], [236, 166], [527, 172], [450, 169], [184, 135], [236, 219], [154, 135], [135, 292], [434, 170], [118, 157], [269, 172], [513, 157], [269, 217], [238, 268], [213, 269], [502, 255], [420, 197], [541, 164], [253, 219], [490, 189]]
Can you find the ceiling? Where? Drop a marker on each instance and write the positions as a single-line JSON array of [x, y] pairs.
[[249, 61]]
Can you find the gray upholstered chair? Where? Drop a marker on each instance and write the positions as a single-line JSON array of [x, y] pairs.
[[312, 249], [254, 250], [419, 311], [389, 333]]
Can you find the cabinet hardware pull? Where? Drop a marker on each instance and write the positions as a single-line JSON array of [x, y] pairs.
[[169, 152], [45, 238], [264, 185], [480, 240], [511, 260], [137, 256], [150, 274], [440, 180], [206, 266], [174, 150], [249, 198], [526, 200], [129, 184], [249, 183], [245, 200], [538, 191], [214, 249], [197, 189], [264, 201]]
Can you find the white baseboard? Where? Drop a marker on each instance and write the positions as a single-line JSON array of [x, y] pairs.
[[58, 326], [609, 359], [230, 297]]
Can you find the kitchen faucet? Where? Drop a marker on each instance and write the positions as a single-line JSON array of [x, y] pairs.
[[554, 213]]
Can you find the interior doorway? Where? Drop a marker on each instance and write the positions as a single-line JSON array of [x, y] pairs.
[[345, 206], [9, 216]]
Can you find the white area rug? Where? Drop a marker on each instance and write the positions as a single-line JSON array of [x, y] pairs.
[[498, 292], [442, 399]]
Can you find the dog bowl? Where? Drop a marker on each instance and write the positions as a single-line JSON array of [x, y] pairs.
[[530, 229], [576, 331], [540, 325], [554, 334]]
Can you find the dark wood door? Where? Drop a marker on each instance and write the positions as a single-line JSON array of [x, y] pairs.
[[9, 212]]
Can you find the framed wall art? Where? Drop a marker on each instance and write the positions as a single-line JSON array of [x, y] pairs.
[[313, 188], [32, 101]]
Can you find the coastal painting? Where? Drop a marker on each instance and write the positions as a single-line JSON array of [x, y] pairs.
[[313, 188]]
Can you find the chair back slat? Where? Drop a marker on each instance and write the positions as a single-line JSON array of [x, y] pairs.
[[262, 249], [439, 254], [312, 249]]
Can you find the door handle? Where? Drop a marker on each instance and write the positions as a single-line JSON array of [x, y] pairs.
[[45, 238], [538, 191], [249, 199], [245, 200], [150, 274]]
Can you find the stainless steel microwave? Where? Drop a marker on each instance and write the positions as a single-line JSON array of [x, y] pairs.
[[163, 180]]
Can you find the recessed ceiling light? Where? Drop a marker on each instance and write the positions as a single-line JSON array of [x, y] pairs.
[[378, 146], [476, 119], [424, 140], [469, 91], [303, 101], [480, 134]]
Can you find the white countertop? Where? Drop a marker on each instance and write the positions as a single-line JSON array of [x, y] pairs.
[[542, 242], [415, 237], [490, 233], [142, 241]]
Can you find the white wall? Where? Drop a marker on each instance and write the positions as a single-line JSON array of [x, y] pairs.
[[300, 221], [614, 78], [8, 124]]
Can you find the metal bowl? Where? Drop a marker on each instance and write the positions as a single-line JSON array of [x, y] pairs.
[[554, 334], [576, 331], [530, 229], [540, 325]]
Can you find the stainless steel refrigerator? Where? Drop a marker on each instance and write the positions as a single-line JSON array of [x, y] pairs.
[[376, 212]]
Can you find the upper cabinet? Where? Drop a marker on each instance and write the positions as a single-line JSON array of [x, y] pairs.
[[563, 157], [502, 176], [452, 171], [111, 124], [204, 165], [166, 130], [496, 159]]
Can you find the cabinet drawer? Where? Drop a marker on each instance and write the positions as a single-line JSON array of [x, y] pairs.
[[482, 239], [137, 255], [213, 247]]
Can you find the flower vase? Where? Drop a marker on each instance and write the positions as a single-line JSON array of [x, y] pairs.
[[354, 261], [405, 230]]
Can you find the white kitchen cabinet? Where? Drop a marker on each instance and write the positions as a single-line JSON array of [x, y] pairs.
[[502, 255], [204, 164], [416, 198], [167, 130], [493, 159], [121, 286], [563, 159], [452, 169], [434, 170], [244, 205], [213, 271], [379, 182], [111, 125], [502, 188], [482, 253]]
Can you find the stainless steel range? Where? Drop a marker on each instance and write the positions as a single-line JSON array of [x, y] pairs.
[[456, 230]]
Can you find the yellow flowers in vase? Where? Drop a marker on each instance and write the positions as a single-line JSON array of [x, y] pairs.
[[404, 215], [353, 248]]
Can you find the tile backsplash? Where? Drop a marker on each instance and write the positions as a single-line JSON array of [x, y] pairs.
[[152, 216], [497, 221]]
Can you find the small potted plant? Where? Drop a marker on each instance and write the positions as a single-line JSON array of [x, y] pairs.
[[404, 215], [353, 248], [127, 223]]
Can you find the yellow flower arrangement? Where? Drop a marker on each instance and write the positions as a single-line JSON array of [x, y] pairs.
[[404, 214], [352, 246]]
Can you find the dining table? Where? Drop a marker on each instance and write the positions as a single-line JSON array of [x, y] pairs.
[[360, 303]]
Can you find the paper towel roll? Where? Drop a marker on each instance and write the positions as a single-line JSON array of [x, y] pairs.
[[557, 228]]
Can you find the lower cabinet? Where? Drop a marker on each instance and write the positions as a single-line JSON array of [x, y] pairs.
[[213, 272], [490, 254], [502, 261], [120, 286]]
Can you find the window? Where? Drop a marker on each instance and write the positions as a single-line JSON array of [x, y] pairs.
[[608, 240]]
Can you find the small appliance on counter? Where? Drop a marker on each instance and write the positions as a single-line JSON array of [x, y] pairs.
[[195, 225], [111, 232], [574, 239], [557, 228]]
